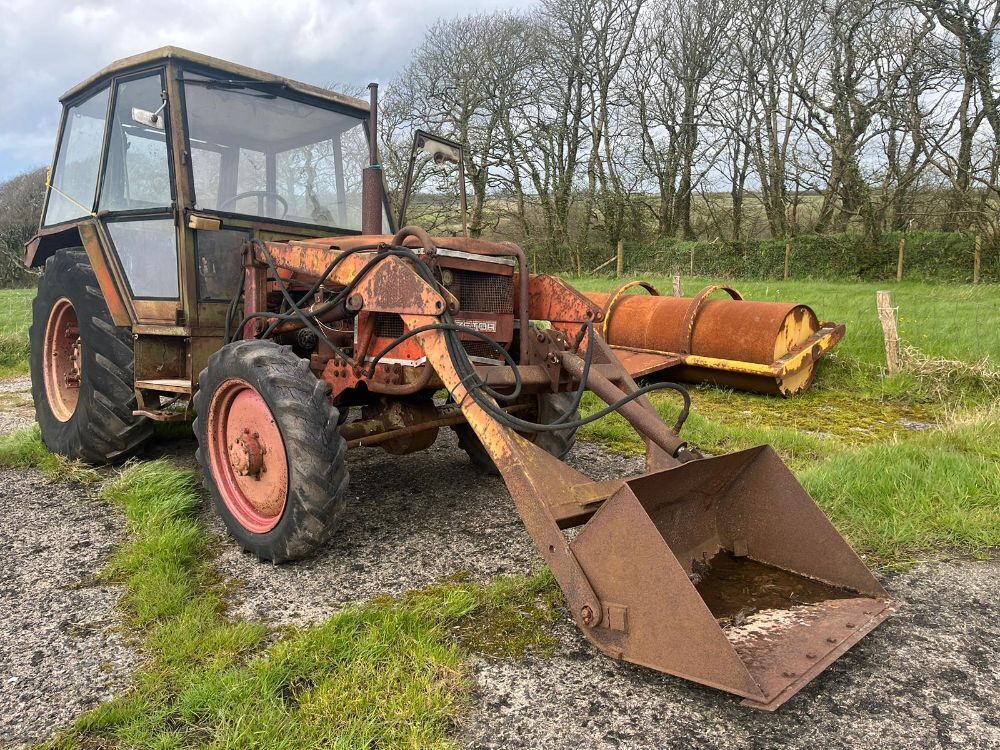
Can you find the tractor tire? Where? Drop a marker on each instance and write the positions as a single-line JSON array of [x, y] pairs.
[[82, 374], [269, 449], [558, 443]]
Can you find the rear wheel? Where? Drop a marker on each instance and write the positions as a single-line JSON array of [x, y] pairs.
[[82, 378], [270, 452], [556, 442]]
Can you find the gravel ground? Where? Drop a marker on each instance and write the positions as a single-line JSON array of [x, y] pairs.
[[925, 679], [411, 520], [61, 647], [17, 410]]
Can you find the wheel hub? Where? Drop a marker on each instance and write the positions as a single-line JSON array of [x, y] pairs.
[[246, 454], [62, 360]]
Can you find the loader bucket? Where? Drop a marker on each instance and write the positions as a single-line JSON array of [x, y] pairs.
[[724, 571]]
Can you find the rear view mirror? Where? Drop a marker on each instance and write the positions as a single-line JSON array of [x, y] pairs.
[[440, 150], [149, 119]]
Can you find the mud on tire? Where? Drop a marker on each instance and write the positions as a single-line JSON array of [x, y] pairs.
[[314, 450], [558, 442], [101, 428]]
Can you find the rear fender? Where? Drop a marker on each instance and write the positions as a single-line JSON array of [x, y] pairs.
[[47, 243]]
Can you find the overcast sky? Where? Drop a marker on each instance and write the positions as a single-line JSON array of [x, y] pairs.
[[47, 46]]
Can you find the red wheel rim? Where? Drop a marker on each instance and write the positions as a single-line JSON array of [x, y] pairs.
[[62, 360], [247, 455]]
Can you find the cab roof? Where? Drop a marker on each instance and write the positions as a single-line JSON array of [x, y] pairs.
[[145, 59]]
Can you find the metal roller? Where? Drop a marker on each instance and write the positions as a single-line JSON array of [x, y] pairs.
[[763, 347]]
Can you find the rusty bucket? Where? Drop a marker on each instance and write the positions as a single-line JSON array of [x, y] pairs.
[[724, 571]]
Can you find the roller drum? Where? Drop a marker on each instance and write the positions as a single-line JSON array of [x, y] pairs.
[[725, 329]]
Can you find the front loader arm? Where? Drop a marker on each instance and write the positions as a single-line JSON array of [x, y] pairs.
[[543, 488]]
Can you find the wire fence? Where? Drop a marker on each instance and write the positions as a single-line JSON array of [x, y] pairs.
[[926, 256]]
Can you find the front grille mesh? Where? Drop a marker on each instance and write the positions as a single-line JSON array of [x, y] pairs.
[[481, 349], [483, 292], [476, 292], [388, 325]]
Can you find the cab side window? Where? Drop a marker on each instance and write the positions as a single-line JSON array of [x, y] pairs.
[[147, 250], [78, 162], [137, 175]]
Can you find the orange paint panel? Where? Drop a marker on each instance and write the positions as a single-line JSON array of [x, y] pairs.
[[105, 279]]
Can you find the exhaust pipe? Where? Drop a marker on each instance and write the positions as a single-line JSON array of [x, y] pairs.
[[371, 176]]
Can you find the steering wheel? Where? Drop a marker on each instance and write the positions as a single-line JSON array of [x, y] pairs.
[[260, 195]]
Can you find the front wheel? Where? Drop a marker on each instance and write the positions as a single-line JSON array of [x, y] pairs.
[[269, 449]]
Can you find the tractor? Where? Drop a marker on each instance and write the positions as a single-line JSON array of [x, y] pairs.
[[216, 249]]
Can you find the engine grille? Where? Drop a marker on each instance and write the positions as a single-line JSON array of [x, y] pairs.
[[388, 325], [481, 349], [483, 292]]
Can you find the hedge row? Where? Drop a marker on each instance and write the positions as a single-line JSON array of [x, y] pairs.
[[930, 256]]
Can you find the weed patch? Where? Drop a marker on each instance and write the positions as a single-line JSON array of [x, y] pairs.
[[24, 449], [388, 674]]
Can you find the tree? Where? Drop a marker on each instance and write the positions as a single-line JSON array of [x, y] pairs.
[[21, 199]]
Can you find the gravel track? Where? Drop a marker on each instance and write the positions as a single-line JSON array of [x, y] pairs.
[[62, 649], [925, 679], [411, 520], [17, 410]]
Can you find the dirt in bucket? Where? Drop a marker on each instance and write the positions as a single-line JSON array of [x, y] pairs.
[[736, 587]]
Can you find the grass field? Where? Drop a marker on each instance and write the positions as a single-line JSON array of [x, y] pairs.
[[393, 673], [15, 318], [898, 493]]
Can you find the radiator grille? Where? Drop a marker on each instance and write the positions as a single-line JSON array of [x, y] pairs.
[[483, 292], [481, 349], [388, 325]]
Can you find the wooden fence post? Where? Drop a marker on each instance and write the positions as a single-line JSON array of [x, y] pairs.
[[899, 260], [692, 259], [788, 258], [678, 290], [977, 262], [620, 266], [890, 332]]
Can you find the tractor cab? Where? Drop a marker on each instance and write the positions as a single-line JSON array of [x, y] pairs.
[[168, 162]]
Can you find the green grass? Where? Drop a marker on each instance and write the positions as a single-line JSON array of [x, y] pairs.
[[388, 674], [953, 321], [25, 449], [935, 493], [15, 318]]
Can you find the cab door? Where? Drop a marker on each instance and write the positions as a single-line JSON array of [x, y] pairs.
[[136, 204]]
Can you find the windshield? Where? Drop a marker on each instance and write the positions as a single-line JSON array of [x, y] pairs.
[[259, 154]]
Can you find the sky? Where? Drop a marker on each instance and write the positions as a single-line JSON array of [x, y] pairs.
[[48, 46]]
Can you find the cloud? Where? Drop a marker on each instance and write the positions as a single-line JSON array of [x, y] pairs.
[[51, 45]]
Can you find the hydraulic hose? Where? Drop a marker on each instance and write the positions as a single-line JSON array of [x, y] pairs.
[[481, 393]]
